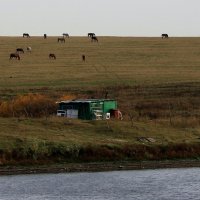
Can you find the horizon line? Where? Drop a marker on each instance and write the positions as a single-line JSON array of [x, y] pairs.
[[144, 36]]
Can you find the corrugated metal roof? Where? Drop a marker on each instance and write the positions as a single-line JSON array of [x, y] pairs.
[[85, 100]]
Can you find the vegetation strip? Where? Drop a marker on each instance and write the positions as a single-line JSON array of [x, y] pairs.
[[155, 83], [98, 167]]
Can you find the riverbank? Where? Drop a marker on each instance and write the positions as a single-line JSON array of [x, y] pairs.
[[98, 167]]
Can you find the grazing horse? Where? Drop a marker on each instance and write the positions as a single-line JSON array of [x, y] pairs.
[[14, 55], [65, 35], [61, 39], [83, 57], [91, 34], [94, 39], [19, 50], [164, 35], [52, 56], [26, 35], [29, 49]]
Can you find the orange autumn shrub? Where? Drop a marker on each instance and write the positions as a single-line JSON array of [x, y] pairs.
[[30, 105], [67, 97]]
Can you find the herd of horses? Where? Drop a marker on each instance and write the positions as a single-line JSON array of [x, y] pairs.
[[16, 54], [92, 36]]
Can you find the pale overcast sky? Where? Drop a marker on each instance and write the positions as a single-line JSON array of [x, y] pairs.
[[104, 17]]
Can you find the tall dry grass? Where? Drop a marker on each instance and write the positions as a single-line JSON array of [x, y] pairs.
[[30, 105]]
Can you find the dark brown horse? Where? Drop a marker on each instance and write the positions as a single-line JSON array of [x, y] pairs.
[[19, 50], [83, 57], [65, 35], [45, 36], [94, 39], [14, 55], [52, 56], [61, 39], [164, 35], [91, 34], [26, 35]]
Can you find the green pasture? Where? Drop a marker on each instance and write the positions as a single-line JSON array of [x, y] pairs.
[[111, 61], [25, 141]]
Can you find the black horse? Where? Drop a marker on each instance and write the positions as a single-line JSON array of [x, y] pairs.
[[91, 34], [45, 36], [164, 35], [61, 39], [83, 57], [65, 35], [52, 56], [26, 35], [14, 55], [19, 50], [94, 39]]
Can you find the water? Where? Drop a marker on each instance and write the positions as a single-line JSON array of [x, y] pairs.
[[164, 184]]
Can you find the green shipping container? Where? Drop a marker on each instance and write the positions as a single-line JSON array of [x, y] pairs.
[[87, 109]]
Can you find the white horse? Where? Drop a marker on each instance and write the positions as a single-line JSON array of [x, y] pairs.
[[29, 49]]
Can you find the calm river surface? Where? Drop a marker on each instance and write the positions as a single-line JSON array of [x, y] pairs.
[[181, 184]]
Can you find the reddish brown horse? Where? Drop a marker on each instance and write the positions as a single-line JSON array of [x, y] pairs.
[[52, 56], [14, 55], [61, 39]]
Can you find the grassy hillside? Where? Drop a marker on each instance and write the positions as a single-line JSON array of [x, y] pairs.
[[132, 61], [155, 81]]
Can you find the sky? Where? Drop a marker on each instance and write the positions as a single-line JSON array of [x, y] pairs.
[[145, 18]]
